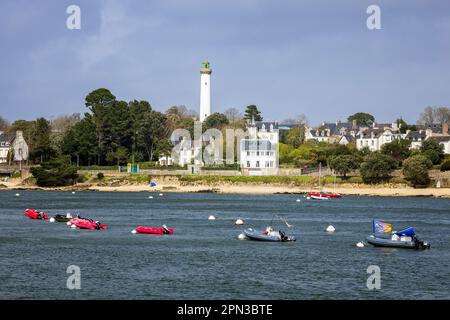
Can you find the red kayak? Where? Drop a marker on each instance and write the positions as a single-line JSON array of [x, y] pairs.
[[151, 230], [33, 214], [87, 224], [325, 195]]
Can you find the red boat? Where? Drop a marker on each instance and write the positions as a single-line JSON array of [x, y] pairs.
[[33, 214], [324, 195], [82, 223], [151, 230]]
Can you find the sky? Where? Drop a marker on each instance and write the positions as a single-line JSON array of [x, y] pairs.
[[288, 57]]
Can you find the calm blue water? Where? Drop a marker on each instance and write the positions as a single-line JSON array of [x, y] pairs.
[[205, 260]]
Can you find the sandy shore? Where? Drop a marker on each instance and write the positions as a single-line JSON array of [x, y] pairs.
[[230, 188]]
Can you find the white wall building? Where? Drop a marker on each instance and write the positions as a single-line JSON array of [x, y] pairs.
[[374, 139], [259, 153]]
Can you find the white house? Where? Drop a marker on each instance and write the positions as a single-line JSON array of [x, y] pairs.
[[259, 152], [374, 139]]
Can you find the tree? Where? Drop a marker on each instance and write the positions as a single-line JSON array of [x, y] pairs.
[[403, 126], [120, 155], [63, 123], [164, 148], [376, 167], [362, 118], [397, 149], [427, 116], [343, 164], [41, 140], [216, 120], [233, 115], [300, 120], [442, 114], [154, 130], [433, 150], [4, 124], [415, 170], [99, 101], [252, 112], [295, 136], [56, 172], [80, 141]]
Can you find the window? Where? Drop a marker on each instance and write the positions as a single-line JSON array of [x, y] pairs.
[[257, 164], [248, 153], [248, 164]]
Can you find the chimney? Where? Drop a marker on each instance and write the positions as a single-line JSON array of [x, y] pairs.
[[338, 121], [354, 124], [445, 128]]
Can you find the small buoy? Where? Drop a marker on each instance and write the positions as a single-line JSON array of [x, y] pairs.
[[239, 222], [360, 245], [160, 194], [52, 219], [298, 200], [211, 217], [242, 236], [73, 226], [133, 231], [17, 194], [73, 192], [68, 223], [150, 197], [330, 228], [68, 215], [309, 198]]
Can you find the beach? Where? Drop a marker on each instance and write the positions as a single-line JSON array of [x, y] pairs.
[[172, 184]]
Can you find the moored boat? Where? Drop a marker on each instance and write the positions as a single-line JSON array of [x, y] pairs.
[[36, 215], [83, 223], [274, 236], [63, 218], [383, 236], [152, 230]]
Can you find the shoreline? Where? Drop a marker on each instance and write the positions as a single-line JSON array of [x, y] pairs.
[[247, 188]]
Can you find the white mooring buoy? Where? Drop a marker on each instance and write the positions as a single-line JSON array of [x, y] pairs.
[[211, 217], [17, 194], [360, 245], [73, 226], [239, 222], [160, 194], [73, 192], [52, 219], [242, 236], [133, 231], [298, 200], [330, 228], [68, 223], [150, 197]]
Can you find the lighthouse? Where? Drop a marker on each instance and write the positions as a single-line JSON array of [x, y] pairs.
[[205, 90]]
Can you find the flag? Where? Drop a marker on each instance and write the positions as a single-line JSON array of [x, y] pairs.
[[381, 227]]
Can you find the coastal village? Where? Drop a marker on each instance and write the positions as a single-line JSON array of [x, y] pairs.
[[268, 148]]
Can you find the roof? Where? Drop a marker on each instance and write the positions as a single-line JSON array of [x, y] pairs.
[[440, 138], [367, 134], [435, 127], [335, 128], [6, 139], [416, 135], [349, 137], [266, 124], [256, 145]]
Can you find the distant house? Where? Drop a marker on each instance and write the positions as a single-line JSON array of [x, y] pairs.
[[346, 139], [374, 139], [332, 132], [259, 153], [15, 143], [416, 138], [444, 141]]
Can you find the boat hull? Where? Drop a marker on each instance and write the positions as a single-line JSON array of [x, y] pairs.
[[260, 236], [35, 215], [151, 230], [87, 224], [385, 242]]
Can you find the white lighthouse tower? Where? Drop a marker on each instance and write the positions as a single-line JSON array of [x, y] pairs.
[[205, 90]]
